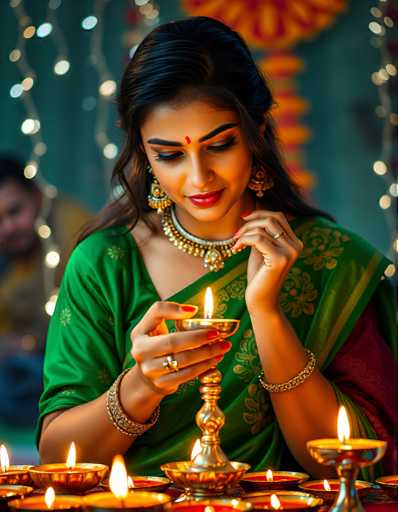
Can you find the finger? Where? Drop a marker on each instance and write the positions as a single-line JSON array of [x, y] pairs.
[[187, 374], [158, 313], [156, 367], [146, 347], [260, 241], [272, 227], [279, 216]]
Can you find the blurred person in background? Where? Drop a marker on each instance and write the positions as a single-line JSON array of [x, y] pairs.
[[23, 319]]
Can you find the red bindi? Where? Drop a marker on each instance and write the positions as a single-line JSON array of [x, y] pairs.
[[188, 140]]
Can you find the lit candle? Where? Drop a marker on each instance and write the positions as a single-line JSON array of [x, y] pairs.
[[226, 327], [46, 502], [120, 497], [328, 489], [360, 449], [69, 476], [284, 500], [273, 479], [12, 474]]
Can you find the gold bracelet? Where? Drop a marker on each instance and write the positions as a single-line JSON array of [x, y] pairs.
[[294, 381], [119, 418]]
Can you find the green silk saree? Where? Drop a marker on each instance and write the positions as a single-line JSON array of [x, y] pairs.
[[106, 290]]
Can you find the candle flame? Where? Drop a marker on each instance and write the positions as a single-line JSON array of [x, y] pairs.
[[209, 508], [71, 459], [275, 503], [118, 481], [195, 449], [269, 475], [343, 425], [4, 459], [130, 482], [209, 303], [326, 485], [49, 497]]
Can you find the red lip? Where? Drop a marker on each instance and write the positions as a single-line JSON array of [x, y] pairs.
[[206, 200]]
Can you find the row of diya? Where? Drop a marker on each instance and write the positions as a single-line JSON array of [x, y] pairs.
[[262, 490]]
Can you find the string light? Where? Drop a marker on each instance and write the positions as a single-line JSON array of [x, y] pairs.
[[383, 78], [31, 126]]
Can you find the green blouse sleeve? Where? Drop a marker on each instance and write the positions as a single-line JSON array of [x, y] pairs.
[[81, 358]]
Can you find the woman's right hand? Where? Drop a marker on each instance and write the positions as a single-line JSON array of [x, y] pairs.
[[195, 351]]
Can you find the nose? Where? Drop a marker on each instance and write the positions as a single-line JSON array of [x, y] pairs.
[[200, 174]]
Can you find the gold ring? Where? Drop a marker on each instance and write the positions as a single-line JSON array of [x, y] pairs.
[[277, 235], [171, 363]]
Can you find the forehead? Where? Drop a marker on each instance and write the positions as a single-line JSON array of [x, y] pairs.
[[173, 121]]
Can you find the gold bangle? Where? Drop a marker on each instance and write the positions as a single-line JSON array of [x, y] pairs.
[[119, 419], [294, 381]]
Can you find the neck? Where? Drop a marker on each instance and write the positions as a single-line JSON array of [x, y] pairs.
[[222, 228]]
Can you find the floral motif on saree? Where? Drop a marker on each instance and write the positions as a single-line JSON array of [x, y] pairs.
[[322, 247]]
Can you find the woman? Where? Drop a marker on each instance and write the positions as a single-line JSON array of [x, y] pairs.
[[200, 148]]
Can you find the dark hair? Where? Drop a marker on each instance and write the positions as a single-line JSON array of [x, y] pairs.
[[202, 56], [12, 169]]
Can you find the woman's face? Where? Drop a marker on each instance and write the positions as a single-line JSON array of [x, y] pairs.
[[200, 157]]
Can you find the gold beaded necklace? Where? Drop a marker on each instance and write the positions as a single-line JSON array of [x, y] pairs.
[[213, 252]]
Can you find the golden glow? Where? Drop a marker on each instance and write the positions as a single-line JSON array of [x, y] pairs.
[[343, 425], [4, 459], [209, 508], [326, 485], [71, 459], [275, 503], [130, 482], [209, 303], [269, 475], [49, 497], [118, 480], [196, 449]]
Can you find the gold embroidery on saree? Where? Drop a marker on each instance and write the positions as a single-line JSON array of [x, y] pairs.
[[322, 246], [115, 252], [258, 409], [298, 293], [248, 363], [65, 316]]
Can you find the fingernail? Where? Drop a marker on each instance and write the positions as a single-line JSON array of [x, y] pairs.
[[225, 345], [246, 213], [218, 358], [189, 309], [212, 335]]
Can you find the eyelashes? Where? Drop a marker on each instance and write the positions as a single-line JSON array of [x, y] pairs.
[[231, 141]]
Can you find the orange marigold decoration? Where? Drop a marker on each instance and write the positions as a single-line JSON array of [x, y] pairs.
[[270, 23], [276, 26], [281, 67]]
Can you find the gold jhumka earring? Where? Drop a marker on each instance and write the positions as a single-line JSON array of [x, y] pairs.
[[260, 182], [157, 198]]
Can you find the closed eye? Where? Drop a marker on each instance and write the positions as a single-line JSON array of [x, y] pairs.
[[221, 146]]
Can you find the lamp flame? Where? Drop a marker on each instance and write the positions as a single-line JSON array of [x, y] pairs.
[[118, 480], [209, 303], [343, 425], [195, 449], [130, 482], [275, 503], [326, 485], [4, 459], [269, 475], [209, 508], [49, 497], [71, 459]]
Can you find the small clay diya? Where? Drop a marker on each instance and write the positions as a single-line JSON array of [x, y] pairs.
[[328, 490], [284, 500], [389, 484], [272, 480], [144, 483]]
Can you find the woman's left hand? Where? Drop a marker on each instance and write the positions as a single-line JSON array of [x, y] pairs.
[[275, 248]]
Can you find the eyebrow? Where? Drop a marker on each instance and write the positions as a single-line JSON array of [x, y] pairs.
[[208, 136]]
